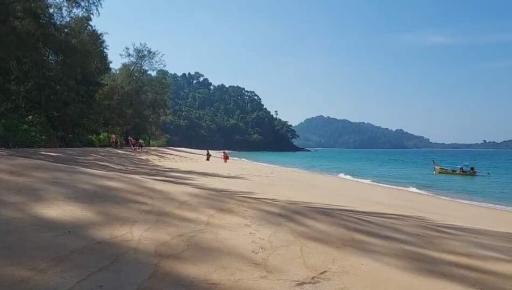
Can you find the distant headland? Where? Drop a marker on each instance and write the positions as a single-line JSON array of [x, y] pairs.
[[322, 131]]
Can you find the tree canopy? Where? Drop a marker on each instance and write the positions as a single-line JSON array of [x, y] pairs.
[[57, 89], [52, 60], [203, 115]]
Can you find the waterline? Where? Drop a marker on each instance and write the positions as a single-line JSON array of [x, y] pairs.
[[409, 170]]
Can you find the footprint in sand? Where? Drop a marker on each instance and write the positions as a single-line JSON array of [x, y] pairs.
[[258, 251]]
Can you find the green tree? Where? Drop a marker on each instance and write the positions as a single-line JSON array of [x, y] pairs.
[[57, 89], [135, 96], [51, 63], [204, 115]]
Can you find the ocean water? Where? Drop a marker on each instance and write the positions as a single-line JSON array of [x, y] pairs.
[[409, 169]]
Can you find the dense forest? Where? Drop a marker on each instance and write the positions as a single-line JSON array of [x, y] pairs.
[[327, 132], [222, 116], [57, 89]]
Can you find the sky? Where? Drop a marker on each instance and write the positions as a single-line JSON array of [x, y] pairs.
[[441, 69]]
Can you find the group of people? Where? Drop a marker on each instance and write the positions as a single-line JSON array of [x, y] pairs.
[[138, 144], [225, 156], [471, 170], [135, 144]]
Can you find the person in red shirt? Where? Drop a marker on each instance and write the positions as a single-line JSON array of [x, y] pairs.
[[225, 156]]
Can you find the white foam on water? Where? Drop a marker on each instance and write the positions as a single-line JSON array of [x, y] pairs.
[[369, 181], [346, 176]]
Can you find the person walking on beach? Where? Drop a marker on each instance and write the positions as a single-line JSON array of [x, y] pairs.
[[208, 155], [225, 156], [114, 142], [131, 142], [140, 144]]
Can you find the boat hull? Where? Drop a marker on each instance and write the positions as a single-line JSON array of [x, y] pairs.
[[442, 170]]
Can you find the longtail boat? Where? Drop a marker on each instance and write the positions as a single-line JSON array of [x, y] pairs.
[[459, 170]]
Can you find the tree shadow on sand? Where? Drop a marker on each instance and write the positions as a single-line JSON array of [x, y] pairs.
[[75, 229], [62, 227], [122, 161], [410, 243]]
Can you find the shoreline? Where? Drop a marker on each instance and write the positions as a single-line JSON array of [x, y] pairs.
[[410, 189], [429, 193]]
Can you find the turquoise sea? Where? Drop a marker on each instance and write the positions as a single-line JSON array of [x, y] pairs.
[[410, 169]]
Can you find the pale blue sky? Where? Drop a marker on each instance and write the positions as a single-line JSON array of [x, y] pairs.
[[442, 69]]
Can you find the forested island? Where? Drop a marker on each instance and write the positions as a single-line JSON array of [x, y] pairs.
[[57, 89], [327, 132]]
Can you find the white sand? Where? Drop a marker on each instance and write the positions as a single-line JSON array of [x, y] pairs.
[[167, 219]]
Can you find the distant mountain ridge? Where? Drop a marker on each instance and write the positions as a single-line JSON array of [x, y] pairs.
[[327, 132]]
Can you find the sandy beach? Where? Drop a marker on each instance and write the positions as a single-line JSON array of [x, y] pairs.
[[167, 219]]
